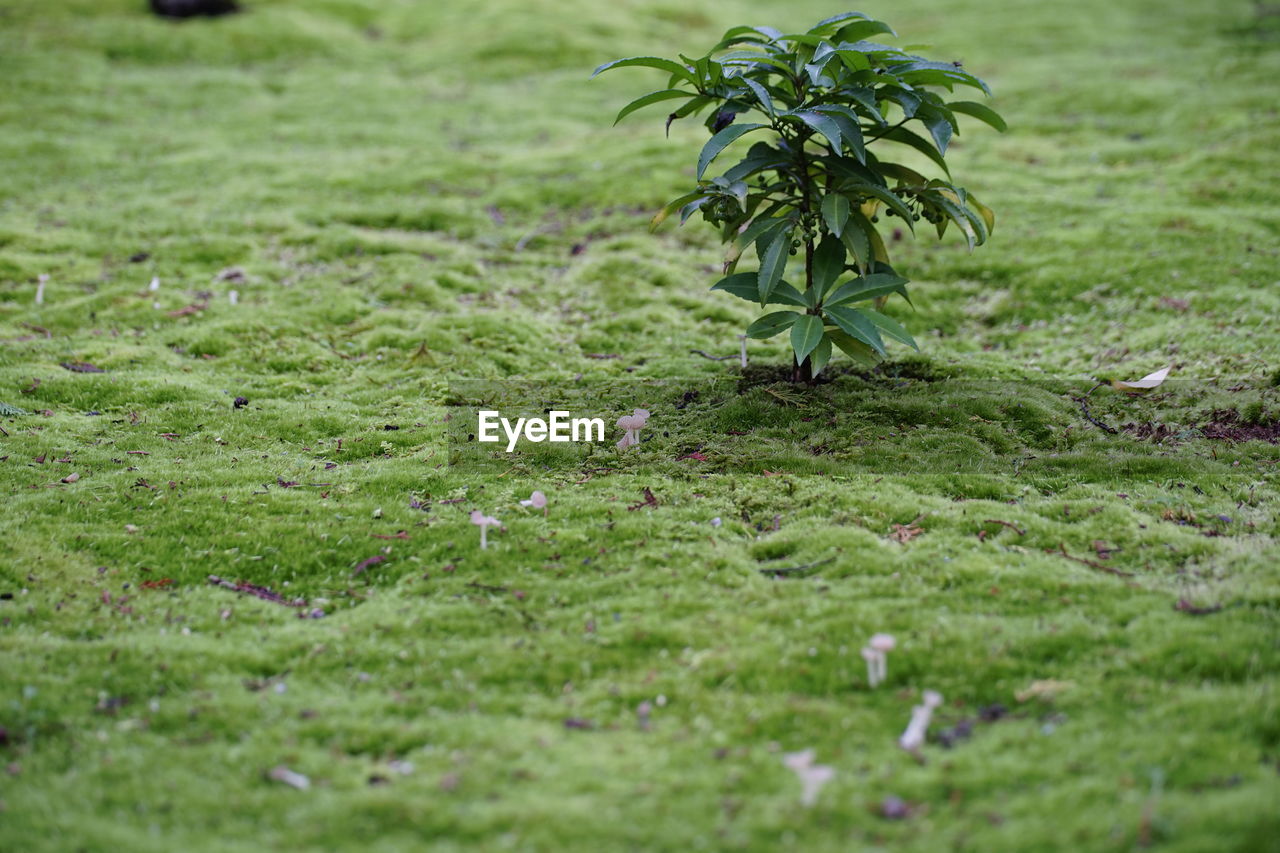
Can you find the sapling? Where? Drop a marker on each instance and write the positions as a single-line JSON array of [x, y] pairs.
[[817, 103]]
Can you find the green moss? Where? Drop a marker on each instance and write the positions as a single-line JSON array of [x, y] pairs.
[[418, 195]]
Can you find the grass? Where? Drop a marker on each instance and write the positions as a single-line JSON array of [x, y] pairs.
[[403, 189]]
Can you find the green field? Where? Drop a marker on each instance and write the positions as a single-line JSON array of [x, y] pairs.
[[405, 195]]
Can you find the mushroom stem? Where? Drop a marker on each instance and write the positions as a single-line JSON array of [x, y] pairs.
[[743, 354], [914, 736], [484, 528], [872, 657]]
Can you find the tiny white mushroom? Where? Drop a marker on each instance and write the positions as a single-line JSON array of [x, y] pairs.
[[484, 522], [743, 353], [872, 657], [812, 776], [882, 644], [537, 500], [632, 423], [913, 738], [154, 285], [289, 777], [234, 297], [41, 280]]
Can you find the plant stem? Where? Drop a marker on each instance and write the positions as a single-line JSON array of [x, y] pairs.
[[803, 371]]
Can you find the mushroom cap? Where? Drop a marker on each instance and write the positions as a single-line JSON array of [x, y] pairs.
[[631, 422], [932, 698], [883, 642], [641, 413], [479, 518], [537, 500], [869, 653], [798, 761]]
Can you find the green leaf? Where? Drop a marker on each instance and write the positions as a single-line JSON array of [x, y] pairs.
[[828, 263], [771, 324], [987, 214], [907, 137], [649, 62], [827, 25], [981, 112], [938, 123], [692, 207], [928, 72], [761, 156], [759, 228], [853, 60], [762, 95], [824, 125], [774, 263], [856, 240], [671, 207], [850, 129], [746, 285], [859, 352], [835, 212], [960, 215], [651, 98], [866, 98], [720, 141], [899, 172], [857, 325], [887, 196], [806, 334], [871, 48], [891, 328], [908, 101], [860, 30], [751, 57], [821, 355], [867, 287]]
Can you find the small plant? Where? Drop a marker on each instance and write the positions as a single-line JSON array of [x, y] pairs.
[[823, 99]]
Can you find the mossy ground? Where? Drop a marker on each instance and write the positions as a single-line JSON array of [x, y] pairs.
[[404, 185]]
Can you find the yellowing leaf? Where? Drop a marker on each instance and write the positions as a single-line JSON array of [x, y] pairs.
[[1046, 689]]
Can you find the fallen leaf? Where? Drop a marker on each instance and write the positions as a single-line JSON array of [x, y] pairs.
[[364, 564], [81, 367], [905, 532], [71, 478], [1146, 383], [1046, 689], [288, 777]]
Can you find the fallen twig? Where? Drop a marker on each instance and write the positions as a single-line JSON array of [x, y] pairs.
[[256, 591], [649, 500], [1062, 552], [1009, 524], [712, 357], [791, 570], [364, 564], [1185, 606], [486, 587], [1084, 409]]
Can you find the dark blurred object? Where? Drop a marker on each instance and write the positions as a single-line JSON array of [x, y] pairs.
[[192, 8]]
